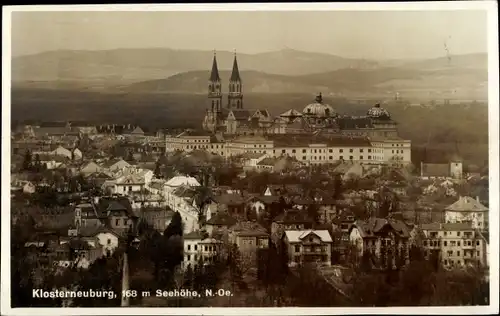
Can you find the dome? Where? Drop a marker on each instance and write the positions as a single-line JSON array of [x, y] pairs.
[[319, 109], [378, 112]]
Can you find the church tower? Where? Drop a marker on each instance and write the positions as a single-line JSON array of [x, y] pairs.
[[235, 96], [214, 109]]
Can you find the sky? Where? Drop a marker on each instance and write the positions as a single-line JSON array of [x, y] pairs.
[[352, 34]]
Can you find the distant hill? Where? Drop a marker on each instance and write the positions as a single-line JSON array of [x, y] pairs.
[[285, 71], [154, 63], [443, 83]]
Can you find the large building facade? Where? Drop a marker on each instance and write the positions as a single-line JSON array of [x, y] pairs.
[[315, 135]]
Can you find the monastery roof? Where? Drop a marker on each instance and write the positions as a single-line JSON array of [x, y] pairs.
[[194, 133], [291, 113], [295, 236], [349, 123], [467, 204], [306, 140]]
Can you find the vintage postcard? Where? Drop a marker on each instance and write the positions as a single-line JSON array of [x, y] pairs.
[[270, 159]]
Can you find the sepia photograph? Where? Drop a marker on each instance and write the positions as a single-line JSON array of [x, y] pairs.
[[212, 159]]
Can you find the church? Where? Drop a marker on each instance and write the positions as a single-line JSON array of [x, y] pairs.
[[232, 118]]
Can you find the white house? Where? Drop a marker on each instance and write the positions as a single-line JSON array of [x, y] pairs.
[[467, 209], [197, 247], [61, 151], [313, 246], [29, 188], [458, 243], [132, 180], [181, 181], [90, 168], [77, 154], [115, 164]]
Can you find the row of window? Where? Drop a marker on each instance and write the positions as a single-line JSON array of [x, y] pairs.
[[450, 253], [458, 233], [458, 262], [311, 248], [204, 248], [453, 243], [340, 158]]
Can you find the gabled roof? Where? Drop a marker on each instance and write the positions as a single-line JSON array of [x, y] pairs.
[[112, 162], [242, 114], [229, 199], [296, 236], [221, 219], [373, 226], [447, 226], [292, 217], [182, 180], [435, 169], [266, 199], [249, 229], [194, 235], [291, 113], [467, 204]]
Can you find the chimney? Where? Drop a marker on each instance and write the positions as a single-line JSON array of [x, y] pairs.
[[477, 199]]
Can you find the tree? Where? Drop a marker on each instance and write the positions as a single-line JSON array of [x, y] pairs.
[[337, 186], [313, 213], [157, 171], [175, 227], [27, 162], [37, 164]]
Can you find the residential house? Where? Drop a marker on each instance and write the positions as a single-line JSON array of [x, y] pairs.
[[219, 224], [61, 151], [117, 213], [248, 236], [132, 180], [90, 167], [198, 247], [257, 206], [380, 236], [52, 161], [251, 160], [349, 170], [458, 244], [233, 204], [86, 215], [467, 209], [77, 154], [308, 246], [108, 239], [277, 164], [115, 164], [29, 188], [452, 169], [157, 217], [289, 220]]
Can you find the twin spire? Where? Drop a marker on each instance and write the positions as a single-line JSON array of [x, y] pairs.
[[235, 74]]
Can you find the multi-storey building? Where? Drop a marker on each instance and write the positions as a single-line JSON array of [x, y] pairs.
[[467, 210], [458, 244], [379, 237], [316, 135], [308, 246], [199, 248]]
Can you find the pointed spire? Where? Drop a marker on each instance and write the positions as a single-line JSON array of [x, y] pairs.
[[214, 75], [235, 75]]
